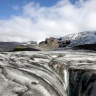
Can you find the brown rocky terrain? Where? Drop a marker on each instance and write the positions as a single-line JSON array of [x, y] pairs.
[[49, 43]]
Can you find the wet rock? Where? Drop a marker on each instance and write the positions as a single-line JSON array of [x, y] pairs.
[[82, 82]]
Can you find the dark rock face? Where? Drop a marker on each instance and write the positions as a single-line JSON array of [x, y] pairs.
[[82, 82], [64, 43], [86, 46]]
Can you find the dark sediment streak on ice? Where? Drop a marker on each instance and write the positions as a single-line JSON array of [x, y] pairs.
[[47, 74]]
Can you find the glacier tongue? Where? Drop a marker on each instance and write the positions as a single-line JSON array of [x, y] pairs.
[[55, 73]]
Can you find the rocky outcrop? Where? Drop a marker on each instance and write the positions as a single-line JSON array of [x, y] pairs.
[[49, 44], [41, 73], [53, 43]]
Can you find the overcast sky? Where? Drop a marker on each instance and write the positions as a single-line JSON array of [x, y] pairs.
[[25, 20]]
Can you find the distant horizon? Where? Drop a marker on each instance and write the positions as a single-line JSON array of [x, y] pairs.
[[35, 20], [47, 37]]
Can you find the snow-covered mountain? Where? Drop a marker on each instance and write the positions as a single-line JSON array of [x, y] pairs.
[[29, 43], [81, 38]]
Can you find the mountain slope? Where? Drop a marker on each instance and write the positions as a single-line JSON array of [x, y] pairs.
[[81, 38]]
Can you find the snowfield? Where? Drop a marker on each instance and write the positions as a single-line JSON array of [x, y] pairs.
[[58, 73]]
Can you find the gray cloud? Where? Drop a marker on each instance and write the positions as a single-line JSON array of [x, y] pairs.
[[37, 22]]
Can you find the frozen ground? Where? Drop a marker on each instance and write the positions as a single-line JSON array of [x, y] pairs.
[[57, 73]]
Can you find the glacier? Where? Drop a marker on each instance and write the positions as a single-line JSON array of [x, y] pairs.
[[48, 73]]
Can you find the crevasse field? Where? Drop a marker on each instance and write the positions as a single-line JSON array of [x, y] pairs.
[[58, 73]]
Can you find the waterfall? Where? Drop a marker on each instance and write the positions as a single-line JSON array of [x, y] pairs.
[[66, 81]]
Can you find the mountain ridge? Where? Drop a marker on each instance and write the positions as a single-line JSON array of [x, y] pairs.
[[80, 40], [72, 40]]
